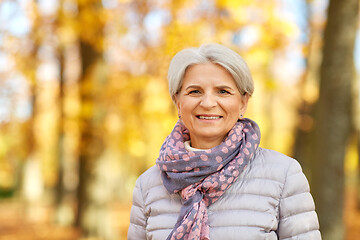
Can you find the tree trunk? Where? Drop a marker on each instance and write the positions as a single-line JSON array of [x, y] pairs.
[[333, 116], [86, 153], [304, 135], [90, 146], [358, 173], [60, 189], [31, 141]]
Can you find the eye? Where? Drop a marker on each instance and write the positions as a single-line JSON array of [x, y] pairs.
[[194, 92], [222, 91]]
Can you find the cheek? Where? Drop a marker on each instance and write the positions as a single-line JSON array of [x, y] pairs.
[[187, 105], [233, 106], [185, 110], [181, 107]]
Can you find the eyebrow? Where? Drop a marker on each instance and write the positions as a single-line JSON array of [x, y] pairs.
[[219, 87], [224, 86], [192, 86]]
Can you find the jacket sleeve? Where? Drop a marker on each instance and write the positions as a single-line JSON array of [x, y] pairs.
[[297, 217], [137, 228]]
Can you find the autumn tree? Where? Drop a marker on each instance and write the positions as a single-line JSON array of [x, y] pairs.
[[90, 145], [325, 146], [27, 63]]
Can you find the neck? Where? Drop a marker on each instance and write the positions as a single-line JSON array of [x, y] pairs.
[[205, 143]]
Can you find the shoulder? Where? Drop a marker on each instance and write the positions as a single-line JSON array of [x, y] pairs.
[[150, 186], [272, 165], [150, 178], [284, 169], [151, 172], [271, 158]]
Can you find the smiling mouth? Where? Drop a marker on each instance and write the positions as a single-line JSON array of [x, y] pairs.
[[208, 117]]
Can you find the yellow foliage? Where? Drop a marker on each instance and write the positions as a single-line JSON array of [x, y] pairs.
[[156, 98], [89, 23], [352, 157], [66, 35], [125, 98], [7, 175], [113, 123], [232, 3], [87, 109], [137, 148], [3, 147]]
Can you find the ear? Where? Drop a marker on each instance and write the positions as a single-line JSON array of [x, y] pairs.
[[244, 101], [177, 103]]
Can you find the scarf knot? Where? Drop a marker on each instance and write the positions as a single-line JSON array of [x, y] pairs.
[[202, 177]]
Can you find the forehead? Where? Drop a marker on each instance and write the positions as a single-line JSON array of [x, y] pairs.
[[207, 73]]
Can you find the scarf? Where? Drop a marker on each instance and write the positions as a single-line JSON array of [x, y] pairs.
[[202, 177]]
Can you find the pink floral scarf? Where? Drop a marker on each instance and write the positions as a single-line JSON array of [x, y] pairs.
[[203, 176]]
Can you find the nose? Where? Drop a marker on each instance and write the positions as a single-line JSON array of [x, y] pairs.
[[208, 101]]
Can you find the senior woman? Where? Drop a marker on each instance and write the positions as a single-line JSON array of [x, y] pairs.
[[211, 179]]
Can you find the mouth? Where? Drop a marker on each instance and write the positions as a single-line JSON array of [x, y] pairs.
[[209, 117]]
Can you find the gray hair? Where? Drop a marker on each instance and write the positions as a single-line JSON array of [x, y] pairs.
[[210, 53]]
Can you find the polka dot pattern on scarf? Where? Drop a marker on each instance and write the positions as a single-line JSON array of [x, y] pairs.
[[201, 177]]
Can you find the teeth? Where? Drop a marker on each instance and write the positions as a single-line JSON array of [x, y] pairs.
[[208, 118]]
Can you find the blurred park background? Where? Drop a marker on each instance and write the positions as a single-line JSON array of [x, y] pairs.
[[84, 106]]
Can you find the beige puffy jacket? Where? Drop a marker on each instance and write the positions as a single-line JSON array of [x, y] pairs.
[[270, 200]]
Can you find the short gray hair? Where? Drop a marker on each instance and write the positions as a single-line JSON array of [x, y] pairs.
[[213, 53]]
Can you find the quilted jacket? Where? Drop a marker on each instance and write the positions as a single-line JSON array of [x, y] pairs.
[[270, 200]]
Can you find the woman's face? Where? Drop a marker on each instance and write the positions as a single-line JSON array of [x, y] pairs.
[[209, 104]]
